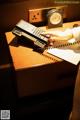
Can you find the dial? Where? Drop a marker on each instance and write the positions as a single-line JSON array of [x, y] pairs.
[[55, 18]]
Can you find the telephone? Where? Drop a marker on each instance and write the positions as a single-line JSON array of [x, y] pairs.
[[32, 33]]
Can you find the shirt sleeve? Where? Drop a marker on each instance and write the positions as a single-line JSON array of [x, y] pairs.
[[76, 33]]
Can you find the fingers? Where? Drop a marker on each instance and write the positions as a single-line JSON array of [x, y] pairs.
[[58, 36], [47, 35]]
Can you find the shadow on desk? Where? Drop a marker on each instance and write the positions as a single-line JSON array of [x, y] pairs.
[[21, 41], [25, 42]]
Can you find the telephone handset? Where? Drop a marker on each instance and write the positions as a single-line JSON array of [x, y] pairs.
[[31, 32]]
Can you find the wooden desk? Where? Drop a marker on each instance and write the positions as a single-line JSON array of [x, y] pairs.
[[38, 73]]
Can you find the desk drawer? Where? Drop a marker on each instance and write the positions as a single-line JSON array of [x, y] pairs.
[[36, 80]]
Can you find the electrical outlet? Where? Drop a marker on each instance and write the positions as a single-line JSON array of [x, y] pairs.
[[40, 15], [35, 15]]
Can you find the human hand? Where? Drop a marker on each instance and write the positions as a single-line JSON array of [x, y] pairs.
[[58, 36]]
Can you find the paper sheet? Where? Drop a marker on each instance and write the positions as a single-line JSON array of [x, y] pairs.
[[70, 53]]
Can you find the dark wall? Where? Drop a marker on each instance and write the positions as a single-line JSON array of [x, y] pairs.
[[11, 11]]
